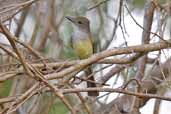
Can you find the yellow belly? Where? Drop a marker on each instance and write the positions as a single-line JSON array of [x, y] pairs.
[[83, 48]]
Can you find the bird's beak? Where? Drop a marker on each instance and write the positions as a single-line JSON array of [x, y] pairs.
[[72, 19]]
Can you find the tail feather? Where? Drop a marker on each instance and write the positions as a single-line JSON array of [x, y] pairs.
[[88, 72]]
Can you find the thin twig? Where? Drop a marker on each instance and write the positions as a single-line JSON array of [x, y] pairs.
[[97, 5]]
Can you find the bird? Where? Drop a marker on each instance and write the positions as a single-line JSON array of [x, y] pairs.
[[82, 43]]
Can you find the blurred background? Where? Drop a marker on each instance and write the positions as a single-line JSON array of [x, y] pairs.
[[42, 25]]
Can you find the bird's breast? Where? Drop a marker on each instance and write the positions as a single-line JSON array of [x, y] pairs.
[[83, 47]]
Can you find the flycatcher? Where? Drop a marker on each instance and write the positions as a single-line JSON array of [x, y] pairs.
[[82, 43]]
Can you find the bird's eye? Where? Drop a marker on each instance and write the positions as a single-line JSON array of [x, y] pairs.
[[79, 22]]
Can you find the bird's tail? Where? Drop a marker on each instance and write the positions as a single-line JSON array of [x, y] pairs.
[[88, 72]]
